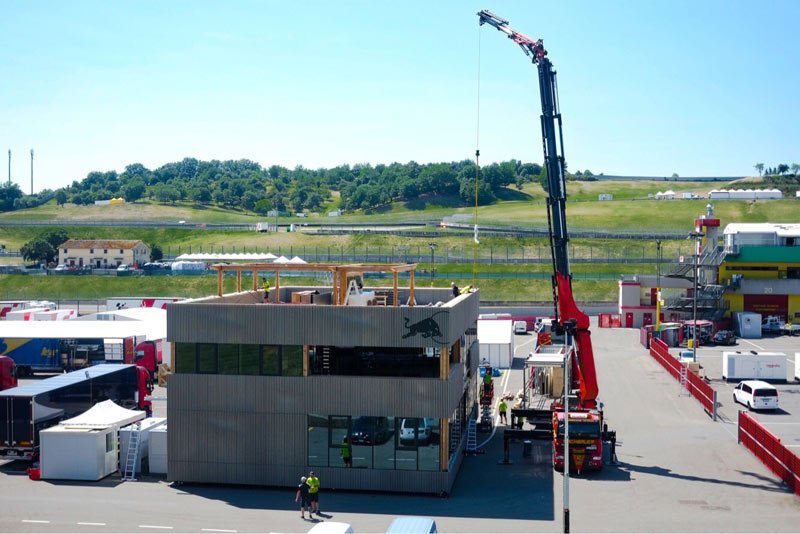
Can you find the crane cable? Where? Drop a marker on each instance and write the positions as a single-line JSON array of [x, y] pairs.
[[477, 167]]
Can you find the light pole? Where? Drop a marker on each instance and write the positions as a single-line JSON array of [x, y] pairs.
[[9, 165], [31, 171], [696, 236], [658, 285], [567, 357], [433, 260]]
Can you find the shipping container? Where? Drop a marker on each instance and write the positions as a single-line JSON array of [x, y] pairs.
[[767, 366]]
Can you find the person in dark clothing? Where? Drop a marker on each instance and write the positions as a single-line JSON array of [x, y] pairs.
[[456, 291], [302, 497]]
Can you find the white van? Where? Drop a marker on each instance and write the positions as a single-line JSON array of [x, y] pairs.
[[412, 525], [756, 395], [331, 527], [520, 327]]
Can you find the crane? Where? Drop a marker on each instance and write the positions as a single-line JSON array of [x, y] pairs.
[[568, 317]]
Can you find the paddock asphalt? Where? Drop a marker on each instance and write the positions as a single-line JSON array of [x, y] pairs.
[[678, 471]]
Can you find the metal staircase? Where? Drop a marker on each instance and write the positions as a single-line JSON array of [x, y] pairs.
[[710, 305], [472, 438], [132, 454], [683, 379], [455, 435]]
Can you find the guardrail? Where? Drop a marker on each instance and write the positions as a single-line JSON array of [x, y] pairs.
[[768, 448], [695, 385]]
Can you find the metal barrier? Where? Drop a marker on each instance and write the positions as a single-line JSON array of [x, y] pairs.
[[769, 449], [695, 385]]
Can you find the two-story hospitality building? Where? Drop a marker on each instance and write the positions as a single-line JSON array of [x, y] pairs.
[[103, 253], [265, 391]]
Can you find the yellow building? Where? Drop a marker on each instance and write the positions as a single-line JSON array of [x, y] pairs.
[[761, 269]]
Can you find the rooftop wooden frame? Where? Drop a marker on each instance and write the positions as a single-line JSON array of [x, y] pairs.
[[339, 274]]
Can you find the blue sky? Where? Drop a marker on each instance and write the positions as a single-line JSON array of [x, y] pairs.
[[646, 87]]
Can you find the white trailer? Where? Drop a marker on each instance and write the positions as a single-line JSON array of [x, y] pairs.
[[754, 365], [797, 366]]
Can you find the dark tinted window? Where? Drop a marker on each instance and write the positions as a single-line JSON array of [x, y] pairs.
[[228, 359], [206, 358], [746, 388], [185, 358], [768, 392], [250, 359]]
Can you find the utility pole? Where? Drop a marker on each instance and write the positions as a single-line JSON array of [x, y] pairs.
[[658, 285], [9, 166], [696, 236], [31, 171], [433, 260]]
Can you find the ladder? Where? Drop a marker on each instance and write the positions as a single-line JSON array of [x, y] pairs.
[[455, 434], [326, 360], [472, 440], [132, 454], [684, 379]]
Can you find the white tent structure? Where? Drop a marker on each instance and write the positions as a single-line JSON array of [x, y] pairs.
[[212, 256], [496, 341], [282, 259], [297, 260], [85, 447]]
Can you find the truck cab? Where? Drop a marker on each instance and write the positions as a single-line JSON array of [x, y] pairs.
[[8, 373], [147, 354], [585, 441]]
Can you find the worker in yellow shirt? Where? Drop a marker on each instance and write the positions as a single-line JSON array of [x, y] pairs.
[[503, 408]]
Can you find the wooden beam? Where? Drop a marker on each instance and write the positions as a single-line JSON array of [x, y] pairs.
[[238, 281], [411, 299], [394, 289], [219, 282], [444, 363]]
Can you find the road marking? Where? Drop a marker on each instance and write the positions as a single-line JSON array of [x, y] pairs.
[[216, 530], [92, 524], [34, 521], [751, 343], [155, 526]]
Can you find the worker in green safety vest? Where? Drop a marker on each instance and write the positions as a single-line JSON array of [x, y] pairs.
[[502, 408], [346, 450]]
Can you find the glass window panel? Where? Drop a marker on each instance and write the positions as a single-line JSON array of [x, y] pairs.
[[429, 452], [383, 449], [270, 360], [364, 434], [318, 426], [292, 357], [340, 427], [228, 359], [185, 358], [405, 450], [250, 359], [206, 358]]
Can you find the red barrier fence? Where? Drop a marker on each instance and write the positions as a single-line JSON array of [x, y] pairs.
[[769, 449], [695, 385], [609, 320]]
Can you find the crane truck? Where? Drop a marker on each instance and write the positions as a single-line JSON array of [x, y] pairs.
[[585, 446]]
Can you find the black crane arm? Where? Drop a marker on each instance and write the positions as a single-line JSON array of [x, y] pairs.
[[568, 315]]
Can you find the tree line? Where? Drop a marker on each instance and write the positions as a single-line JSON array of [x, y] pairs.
[[244, 184]]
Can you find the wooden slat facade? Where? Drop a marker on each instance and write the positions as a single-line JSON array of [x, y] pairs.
[[254, 429]]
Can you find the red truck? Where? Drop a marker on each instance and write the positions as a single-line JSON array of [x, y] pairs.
[[148, 354], [8, 374], [585, 441]]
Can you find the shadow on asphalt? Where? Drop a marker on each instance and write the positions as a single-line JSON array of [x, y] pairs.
[[484, 489], [764, 483]]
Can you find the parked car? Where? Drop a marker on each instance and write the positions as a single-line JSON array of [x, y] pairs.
[[407, 524], [61, 267], [123, 267], [756, 395], [370, 431], [424, 430], [520, 327], [724, 337]]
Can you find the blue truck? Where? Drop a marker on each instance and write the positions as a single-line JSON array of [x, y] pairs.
[[51, 355]]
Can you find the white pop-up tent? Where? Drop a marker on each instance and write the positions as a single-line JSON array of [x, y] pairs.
[[496, 341], [85, 447]]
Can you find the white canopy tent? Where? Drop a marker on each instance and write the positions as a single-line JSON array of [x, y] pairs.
[[211, 256]]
